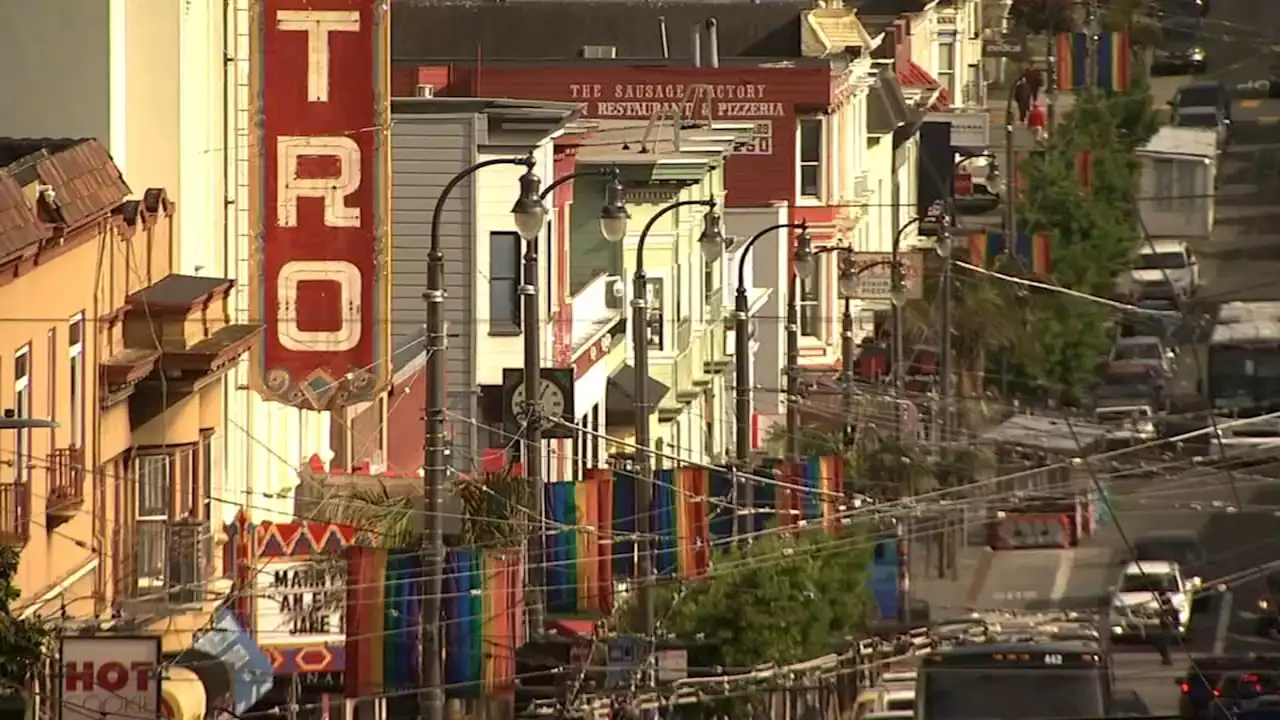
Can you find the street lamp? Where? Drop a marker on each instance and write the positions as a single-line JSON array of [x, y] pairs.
[[804, 262], [712, 242], [435, 440], [742, 380], [530, 215]]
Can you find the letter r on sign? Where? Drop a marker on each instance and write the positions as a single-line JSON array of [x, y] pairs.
[[333, 190]]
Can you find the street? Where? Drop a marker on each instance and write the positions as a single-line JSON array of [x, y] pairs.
[[1236, 514]]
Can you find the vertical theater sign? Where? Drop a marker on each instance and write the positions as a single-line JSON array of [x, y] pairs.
[[321, 198]]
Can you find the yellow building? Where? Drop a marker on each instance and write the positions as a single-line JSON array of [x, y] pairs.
[[99, 335]]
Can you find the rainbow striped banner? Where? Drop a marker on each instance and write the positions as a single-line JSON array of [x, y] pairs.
[[484, 620], [579, 575], [1031, 250], [1114, 61]]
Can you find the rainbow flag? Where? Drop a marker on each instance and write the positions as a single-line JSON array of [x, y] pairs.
[[1114, 57], [483, 620], [1084, 169], [680, 511], [1071, 53], [1031, 250], [579, 575]]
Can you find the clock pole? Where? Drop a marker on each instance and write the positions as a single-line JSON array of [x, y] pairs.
[[436, 451]]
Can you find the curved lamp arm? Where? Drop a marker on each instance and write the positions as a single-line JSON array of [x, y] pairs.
[[436, 252], [644, 233], [609, 172], [746, 249]]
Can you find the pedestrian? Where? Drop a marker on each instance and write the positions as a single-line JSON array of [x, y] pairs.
[[1168, 626]]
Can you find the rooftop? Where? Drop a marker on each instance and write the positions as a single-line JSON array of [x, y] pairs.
[[1247, 321], [557, 29], [48, 183]]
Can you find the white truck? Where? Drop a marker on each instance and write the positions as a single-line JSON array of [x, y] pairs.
[[1179, 173]]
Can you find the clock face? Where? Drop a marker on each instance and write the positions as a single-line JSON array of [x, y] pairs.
[[551, 402]]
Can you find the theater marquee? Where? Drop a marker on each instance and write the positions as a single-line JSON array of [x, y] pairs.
[[320, 200]]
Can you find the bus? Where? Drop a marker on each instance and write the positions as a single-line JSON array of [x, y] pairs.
[[1033, 680], [1243, 368]]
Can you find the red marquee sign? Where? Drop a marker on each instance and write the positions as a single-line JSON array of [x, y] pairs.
[[321, 200]]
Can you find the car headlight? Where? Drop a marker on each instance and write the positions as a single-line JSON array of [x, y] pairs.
[[1196, 54], [1263, 604]]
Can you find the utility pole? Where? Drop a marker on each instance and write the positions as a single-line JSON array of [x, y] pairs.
[[1091, 78], [1010, 162]]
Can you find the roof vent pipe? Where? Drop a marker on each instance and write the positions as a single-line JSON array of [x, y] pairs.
[[697, 45], [662, 31], [713, 43]]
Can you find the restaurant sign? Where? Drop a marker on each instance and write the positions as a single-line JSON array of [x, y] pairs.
[[875, 274], [643, 100]]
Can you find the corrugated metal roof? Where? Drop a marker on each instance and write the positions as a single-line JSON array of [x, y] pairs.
[[84, 181]]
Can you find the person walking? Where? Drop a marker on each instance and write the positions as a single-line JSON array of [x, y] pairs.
[[1168, 626]]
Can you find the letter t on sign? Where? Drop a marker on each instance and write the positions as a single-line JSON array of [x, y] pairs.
[[317, 24]]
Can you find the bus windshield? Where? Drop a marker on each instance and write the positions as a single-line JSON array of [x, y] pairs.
[[1023, 693]]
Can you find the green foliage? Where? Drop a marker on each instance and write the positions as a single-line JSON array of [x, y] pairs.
[[1043, 16], [876, 463], [495, 508], [1094, 236], [784, 598], [22, 642]]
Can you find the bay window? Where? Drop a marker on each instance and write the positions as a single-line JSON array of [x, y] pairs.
[[809, 152], [22, 408]]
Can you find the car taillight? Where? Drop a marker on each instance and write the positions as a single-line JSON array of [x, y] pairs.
[[1217, 692], [1186, 688]]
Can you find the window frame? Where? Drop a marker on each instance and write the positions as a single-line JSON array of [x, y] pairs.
[[947, 70], [23, 387], [76, 379], [817, 166], [182, 489], [510, 323], [810, 302]]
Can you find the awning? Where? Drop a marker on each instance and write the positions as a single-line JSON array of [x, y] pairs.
[[887, 110], [182, 695], [913, 76], [620, 400]]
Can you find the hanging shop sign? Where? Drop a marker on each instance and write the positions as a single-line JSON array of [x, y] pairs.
[[319, 201], [875, 276], [110, 678]]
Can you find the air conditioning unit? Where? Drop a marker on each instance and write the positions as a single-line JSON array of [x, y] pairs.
[[426, 91], [599, 52]]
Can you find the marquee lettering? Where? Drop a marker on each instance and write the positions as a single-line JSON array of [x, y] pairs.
[[332, 191]]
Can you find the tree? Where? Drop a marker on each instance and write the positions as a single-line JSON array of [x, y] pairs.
[[786, 597], [1043, 17], [23, 642], [876, 462]]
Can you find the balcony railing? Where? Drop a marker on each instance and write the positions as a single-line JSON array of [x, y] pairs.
[[66, 482], [15, 514]]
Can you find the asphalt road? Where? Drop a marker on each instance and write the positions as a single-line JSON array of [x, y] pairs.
[[1235, 514]]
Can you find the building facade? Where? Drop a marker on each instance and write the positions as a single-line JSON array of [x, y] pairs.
[[167, 90], [114, 508]]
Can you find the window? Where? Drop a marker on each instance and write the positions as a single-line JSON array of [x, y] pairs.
[[679, 293], [51, 360], [154, 499], [209, 464], [173, 483], [811, 300], [810, 132], [655, 327], [75, 379], [549, 260], [713, 279], [22, 407], [947, 68], [504, 283], [593, 442]]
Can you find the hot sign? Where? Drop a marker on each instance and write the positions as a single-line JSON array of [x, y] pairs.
[[321, 199], [110, 678]]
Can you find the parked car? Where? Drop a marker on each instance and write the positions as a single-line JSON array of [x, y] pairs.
[[1138, 358], [1207, 118], [1210, 94], [1164, 269], [1183, 49]]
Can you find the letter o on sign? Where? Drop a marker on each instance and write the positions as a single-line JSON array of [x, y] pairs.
[[113, 676], [346, 278]]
